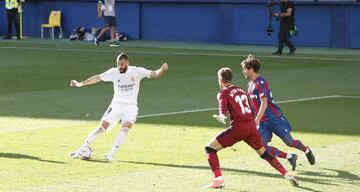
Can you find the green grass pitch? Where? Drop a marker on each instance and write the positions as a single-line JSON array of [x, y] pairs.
[[42, 119]]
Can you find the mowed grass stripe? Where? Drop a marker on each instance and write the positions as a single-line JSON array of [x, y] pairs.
[[13, 124], [183, 53], [211, 109]]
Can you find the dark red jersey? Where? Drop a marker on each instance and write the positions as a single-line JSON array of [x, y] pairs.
[[234, 101]]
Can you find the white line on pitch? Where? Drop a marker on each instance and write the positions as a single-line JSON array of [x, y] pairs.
[[348, 96], [180, 53], [177, 112], [308, 99], [285, 101]]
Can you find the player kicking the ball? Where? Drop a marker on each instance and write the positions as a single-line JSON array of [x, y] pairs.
[[126, 81], [234, 100], [269, 117]]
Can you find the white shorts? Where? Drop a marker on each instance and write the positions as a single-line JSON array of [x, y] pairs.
[[119, 111]]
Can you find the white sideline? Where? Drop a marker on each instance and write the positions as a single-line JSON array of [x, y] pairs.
[[180, 53], [285, 101]]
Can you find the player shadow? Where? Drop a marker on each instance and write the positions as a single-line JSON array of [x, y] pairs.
[[345, 176], [324, 181], [308, 189], [97, 160], [23, 156]]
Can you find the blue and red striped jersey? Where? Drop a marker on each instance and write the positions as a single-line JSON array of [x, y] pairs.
[[256, 90]]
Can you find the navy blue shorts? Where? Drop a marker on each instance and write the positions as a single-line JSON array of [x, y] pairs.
[[110, 21], [279, 126]]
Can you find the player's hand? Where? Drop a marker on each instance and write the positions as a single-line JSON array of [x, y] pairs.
[[74, 83], [165, 67], [257, 122], [100, 10], [221, 118], [276, 14]]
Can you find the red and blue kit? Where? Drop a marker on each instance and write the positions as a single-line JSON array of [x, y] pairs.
[[260, 88], [273, 120]]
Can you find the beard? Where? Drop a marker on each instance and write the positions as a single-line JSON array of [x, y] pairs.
[[123, 70]]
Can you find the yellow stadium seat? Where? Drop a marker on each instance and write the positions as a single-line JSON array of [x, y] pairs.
[[54, 21]]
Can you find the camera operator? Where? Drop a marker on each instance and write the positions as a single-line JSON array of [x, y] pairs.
[[287, 22]]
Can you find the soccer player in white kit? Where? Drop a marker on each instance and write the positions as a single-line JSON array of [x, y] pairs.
[[126, 80]]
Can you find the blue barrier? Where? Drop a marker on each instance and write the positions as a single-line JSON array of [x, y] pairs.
[[327, 24]]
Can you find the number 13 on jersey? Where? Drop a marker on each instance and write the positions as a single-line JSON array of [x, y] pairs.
[[244, 103]]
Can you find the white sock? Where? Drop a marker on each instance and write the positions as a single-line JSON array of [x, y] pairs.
[[288, 156], [219, 177], [92, 136], [307, 150], [119, 140]]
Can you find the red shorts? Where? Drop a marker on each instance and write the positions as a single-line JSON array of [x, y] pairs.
[[245, 131]]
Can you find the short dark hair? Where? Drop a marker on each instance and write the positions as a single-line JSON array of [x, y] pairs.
[[225, 74], [251, 63], [121, 56]]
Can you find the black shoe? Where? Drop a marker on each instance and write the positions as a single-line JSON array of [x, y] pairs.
[[276, 53], [7, 37], [310, 156], [292, 52], [114, 44], [292, 161]]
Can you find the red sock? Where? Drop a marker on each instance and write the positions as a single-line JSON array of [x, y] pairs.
[[274, 163], [273, 151], [298, 144], [214, 164]]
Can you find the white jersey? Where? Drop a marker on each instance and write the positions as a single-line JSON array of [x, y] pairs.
[[126, 85], [109, 7]]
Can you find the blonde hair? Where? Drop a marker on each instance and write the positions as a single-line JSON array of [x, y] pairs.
[[225, 74]]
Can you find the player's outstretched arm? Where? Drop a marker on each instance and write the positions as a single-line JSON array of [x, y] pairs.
[[91, 80], [159, 72]]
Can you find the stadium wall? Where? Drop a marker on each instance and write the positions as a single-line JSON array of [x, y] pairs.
[[326, 24]]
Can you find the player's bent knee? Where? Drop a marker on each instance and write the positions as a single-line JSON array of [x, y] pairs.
[[209, 150], [127, 124], [288, 140], [289, 144], [105, 124]]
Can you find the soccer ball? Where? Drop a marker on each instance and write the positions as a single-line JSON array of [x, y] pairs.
[[85, 153]]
